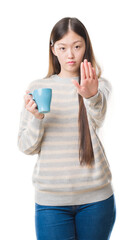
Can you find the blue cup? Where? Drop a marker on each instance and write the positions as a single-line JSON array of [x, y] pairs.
[[42, 97]]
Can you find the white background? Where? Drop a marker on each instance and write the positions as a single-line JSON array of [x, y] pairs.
[[25, 28]]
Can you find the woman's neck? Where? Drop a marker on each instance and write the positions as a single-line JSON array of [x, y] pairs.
[[68, 74]]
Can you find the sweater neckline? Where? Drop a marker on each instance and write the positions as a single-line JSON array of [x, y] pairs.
[[66, 79]]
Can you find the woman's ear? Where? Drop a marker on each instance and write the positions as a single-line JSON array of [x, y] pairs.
[[53, 50]]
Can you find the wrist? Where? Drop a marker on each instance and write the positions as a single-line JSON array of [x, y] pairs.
[[40, 117], [92, 95]]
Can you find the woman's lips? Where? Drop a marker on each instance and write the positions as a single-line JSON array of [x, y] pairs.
[[71, 62]]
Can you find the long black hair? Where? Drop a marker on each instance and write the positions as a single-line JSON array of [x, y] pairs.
[[86, 155]]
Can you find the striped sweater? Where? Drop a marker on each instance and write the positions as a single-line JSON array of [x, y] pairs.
[[58, 178]]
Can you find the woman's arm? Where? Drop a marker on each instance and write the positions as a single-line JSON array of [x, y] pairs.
[[31, 130], [96, 106], [30, 134]]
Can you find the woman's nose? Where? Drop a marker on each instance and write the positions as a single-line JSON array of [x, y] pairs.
[[70, 53]]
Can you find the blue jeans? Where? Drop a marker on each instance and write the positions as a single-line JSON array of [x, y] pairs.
[[93, 221]]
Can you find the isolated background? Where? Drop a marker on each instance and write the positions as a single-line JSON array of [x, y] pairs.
[[25, 28]]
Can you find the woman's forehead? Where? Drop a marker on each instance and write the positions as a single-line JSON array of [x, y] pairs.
[[70, 37], [64, 43]]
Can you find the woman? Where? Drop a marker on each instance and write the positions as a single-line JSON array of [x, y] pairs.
[[74, 197]]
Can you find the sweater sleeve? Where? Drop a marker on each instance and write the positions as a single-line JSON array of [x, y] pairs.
[[96, 106], [31, 131]]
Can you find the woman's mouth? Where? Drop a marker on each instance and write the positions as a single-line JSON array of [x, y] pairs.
[[71, 62]]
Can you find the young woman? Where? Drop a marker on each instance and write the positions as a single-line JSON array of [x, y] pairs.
[[74, 197]]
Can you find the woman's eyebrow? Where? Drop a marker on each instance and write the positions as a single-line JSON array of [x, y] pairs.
[[72, 43]]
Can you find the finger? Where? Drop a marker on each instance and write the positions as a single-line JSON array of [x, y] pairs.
[[87, 70], [76, 83], [90, 69], [27, 95], [30, 103], [33, 107], [82, 72], [94, 73], [27, 99]]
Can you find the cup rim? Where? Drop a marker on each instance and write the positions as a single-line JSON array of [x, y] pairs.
[[42, 88]]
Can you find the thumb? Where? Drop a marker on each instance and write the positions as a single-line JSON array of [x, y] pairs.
[[76, 84]]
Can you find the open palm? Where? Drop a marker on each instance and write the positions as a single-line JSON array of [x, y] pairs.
[[89, 82]]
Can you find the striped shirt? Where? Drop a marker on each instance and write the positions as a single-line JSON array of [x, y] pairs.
[[58, 178]]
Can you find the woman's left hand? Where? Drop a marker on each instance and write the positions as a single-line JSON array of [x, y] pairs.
[[89, 82]]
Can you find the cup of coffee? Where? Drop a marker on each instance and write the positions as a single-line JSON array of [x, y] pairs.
[[42, 97]]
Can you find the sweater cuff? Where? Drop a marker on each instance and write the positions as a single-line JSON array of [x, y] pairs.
[[94, 98], [37, 123]]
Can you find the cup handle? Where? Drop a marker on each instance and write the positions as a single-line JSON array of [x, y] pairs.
[[32, 96]]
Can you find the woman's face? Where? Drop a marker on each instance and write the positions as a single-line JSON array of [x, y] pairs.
[[69, 51]]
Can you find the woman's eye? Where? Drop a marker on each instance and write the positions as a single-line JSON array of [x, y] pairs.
[[62, 48], [77, 46]]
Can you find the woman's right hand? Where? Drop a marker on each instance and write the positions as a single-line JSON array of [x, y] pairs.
[[31, 106]]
